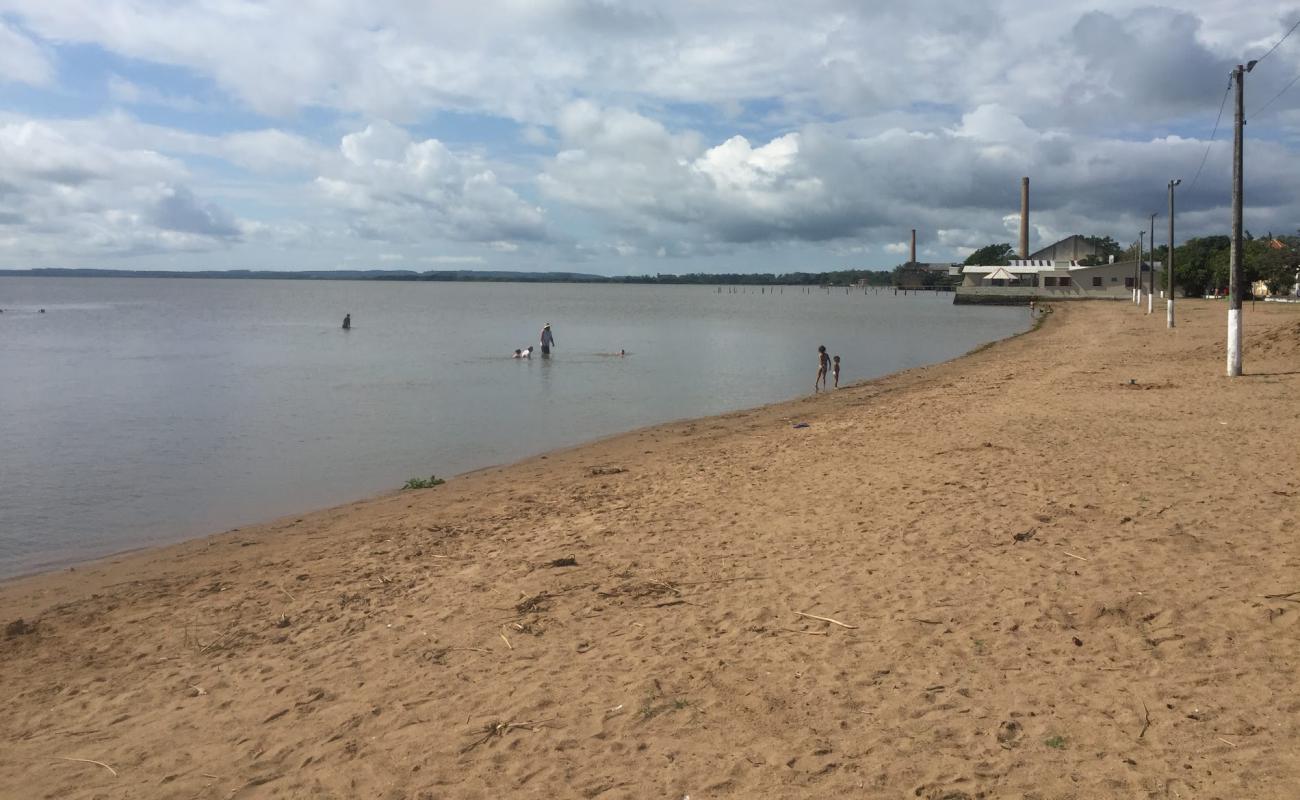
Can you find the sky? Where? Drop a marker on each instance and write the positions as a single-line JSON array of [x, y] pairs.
[[624, 138]]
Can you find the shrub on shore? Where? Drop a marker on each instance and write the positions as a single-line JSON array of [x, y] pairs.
[[423, 483]]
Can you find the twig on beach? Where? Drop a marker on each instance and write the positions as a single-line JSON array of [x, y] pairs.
[[1147, 723], [286, 593], [1283, 596], [827, 619], [1225, 741], [809, 633], [507, 641], [89, 761], [723, 580], [493, 730], [536, 602], [678, 602], [1072, 555], [211, 645], [927, 621]]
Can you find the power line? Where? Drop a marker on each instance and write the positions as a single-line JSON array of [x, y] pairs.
[[1222, 104], [1279, 41], [1257, 111]]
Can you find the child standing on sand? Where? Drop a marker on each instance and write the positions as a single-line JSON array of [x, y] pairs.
[[823, 366], [835, 370]]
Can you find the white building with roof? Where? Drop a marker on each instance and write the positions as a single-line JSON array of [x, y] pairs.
[[1048, 278]]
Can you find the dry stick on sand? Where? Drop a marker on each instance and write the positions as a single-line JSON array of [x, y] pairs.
[[1072, 555], [507, 641], [211, 645], [494, 729], [723, 580], [826, 619], [1283, 596], [810, 633], [89, 761], [1147, 723]]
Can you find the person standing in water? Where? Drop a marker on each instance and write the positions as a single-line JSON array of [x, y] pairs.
[[835, 370], [347, 322], [548, 340], [823, 366]]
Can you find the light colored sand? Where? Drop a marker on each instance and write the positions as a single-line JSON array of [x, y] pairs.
[[361, 651]]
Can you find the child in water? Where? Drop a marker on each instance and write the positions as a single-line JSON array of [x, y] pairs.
[[823, 366], [835, 370]]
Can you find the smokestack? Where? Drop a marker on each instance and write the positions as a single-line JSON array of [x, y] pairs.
[[914, 245], [1024, 218]]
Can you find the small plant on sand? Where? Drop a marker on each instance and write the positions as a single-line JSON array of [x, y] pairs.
[[648, 709], [424, 483], [651, 709], [1055, 742], [979, 647]]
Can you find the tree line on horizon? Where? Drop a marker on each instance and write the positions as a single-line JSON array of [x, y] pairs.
[[1200, 267]]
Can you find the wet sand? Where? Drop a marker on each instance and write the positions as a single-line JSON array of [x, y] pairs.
[[1056, 567]]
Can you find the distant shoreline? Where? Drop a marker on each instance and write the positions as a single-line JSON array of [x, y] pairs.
[[874, 278]]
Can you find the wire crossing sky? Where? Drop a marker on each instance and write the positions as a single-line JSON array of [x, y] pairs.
[[620, 137]]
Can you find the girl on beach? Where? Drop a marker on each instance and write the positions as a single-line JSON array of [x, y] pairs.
[[835, 370], [823, 366]]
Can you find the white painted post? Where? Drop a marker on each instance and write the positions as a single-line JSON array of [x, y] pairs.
[[1169, 267]]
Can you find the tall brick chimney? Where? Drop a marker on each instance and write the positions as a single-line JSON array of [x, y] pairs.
[[913, 246], [1024, 218]]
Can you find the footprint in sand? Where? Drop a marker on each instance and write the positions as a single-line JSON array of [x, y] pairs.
[[1009, 733]]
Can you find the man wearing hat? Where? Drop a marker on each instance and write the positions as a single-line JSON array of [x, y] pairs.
[[548, 339]]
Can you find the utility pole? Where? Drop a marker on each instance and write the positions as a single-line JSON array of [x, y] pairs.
[[1137, 269], [1234, 257], [1169, 267], [1151, 270], [1135, 283]]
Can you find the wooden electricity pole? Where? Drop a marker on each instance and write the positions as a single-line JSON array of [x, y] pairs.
[[1137, 270], [1234, 257], [1169, 265], [1151, 270]]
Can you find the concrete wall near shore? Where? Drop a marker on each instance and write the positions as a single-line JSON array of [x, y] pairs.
[[1020, 296]]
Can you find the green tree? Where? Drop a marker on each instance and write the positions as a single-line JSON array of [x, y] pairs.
[[1104, 248], [1272, 260], [992, 255], [1201, 265]]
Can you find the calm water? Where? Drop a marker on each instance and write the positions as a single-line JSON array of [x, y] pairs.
[[140, 411]]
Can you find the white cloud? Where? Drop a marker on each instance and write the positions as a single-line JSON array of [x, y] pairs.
[[126, 92], [453, 259], [390, 187], [525, 61], [21, 59], [675, 130], [70, 198]]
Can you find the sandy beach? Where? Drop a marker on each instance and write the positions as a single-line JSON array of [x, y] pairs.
[[1064, 566]]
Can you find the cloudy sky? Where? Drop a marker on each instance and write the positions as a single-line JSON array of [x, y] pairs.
[[621, 137]]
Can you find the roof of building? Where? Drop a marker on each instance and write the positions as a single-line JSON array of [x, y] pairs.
[[1077, 242]]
